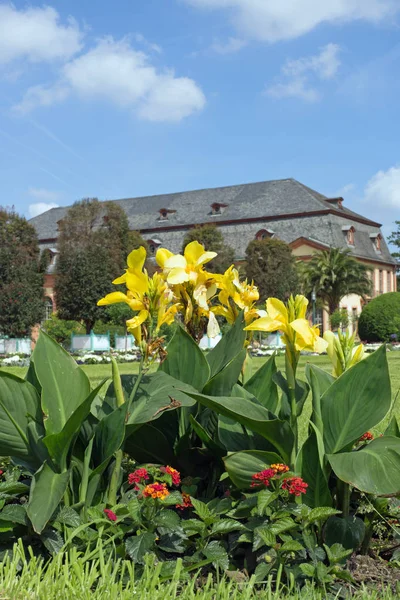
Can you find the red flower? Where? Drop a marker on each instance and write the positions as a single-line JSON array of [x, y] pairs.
[[110, 514], [1, 472], [295, 485], [366, 437], [187, 503], [138, 476], [176, 476], [263, 477]]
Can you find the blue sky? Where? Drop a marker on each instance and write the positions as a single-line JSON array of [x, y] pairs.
[[149, 96]]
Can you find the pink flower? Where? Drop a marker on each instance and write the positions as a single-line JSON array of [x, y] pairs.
[[138, 476], [295, 485], [110, 514]]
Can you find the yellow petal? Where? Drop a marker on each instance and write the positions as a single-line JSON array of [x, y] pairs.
[[138, 320], [329, 337], [264, 324], [205, 258], [212, 327], [320, 345], [174, 261], [358, 354], [300, 303], [162, 255], [137, 282], [193, 251], [136, 259], [177, 275], [304, 329], [114, 298], [120, 280], [200, 295], [277, 310]]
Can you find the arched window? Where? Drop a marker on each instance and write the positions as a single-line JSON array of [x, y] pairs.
[[264, 234], [48, 308], [349, 231]]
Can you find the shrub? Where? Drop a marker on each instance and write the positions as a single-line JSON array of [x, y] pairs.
[[61, 330], [380, 319]]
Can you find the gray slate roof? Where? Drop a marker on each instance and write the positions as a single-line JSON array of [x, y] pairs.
[[253, 200]]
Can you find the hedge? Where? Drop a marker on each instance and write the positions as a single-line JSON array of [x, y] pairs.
[[380, 319]]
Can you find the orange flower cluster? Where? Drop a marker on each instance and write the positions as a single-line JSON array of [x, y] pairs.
[[366, 437], [280, 468], [187, 503], [176, 476], [156, 490]]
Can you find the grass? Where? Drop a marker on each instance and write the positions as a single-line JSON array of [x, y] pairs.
[[71, 577]]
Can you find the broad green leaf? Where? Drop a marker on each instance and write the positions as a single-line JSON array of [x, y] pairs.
[[149, 444], [310, 465], [228, 347], [60, 444], [16, 513], [137, 546], [167, 519], [254, 417], [218, 450], [47, 490], [291, 546], [216, 553], [173, 541], [321, 514], [262, 570], [263, 387], [241, 466], [222, 383], [203, 512], [336, 553], [64, 385], [393, 428], [301, 393], [52, 540], [349, 531], [19, 405], [183, 354], [264, 499], [263, 536], [192, 526], [374, 469], [356, 402], [282, 525], [319, 381], [109, 435], [68, 516], [32, 378], [226, 526]]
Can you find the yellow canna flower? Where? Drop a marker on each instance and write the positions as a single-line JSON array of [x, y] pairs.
[[236, 295], [342, 351], [297, 332], [180, 269]]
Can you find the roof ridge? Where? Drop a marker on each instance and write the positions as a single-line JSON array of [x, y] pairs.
[[314, 194]]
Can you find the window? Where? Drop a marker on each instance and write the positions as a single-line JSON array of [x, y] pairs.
[[48, 308], [217, 208], [349, 231], [376, 239], [389, 281], [164, 212], [263, 234], [380, 281], [153, 246]]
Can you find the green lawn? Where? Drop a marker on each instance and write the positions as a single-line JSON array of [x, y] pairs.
[[97, 373]]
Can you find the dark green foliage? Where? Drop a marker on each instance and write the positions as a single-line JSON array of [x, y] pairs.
[[21, 279], [94, 242], [271, 265], [61, 330], [380, 319], [339, 318], [213, 241], [394, 239], [333, 274]]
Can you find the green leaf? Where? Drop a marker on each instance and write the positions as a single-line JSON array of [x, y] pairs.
[[216, 449], [393, 428], [263, 386], [201, 509], [138, 546], [226, 526], [336, 553], [262, 571], [47, 490], [64, 385], [319, 381], [301, 393], [307, 570], [52, 540], [172, 499], [349, 531], [255, 417], [263, 536], [318, 493], [148, 444], [241, 466], [193, 526], [215, 552], [133, 507], [228, 347], [291, 546], [285, 524], [357, 401], [16, 513], [222, 383], [109, 435], [19, 405], [68, 516], [183, 353], [374, 469], [321, 514], [60, 444], [167, 519], [173, 541]]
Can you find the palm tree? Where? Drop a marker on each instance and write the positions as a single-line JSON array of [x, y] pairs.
[[333, 274]]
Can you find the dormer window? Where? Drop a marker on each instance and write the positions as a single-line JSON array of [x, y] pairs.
[[349, 231], [217, 208], [264, 234], [377, 241], [164, 212], [153, 246], [337, 202]]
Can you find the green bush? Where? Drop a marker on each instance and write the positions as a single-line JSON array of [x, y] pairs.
[[380, 319], [61, 330]]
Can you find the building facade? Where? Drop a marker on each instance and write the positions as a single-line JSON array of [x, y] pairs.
[[286, 209]]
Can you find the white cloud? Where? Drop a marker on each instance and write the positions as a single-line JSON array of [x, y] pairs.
[[140, 39], [44, 194], [118, 73], [274, 20], [36, 34], [40, 207], [298, 76], [346, 189], [232, 45], [383, 189]]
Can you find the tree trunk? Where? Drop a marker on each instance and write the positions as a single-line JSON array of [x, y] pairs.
[[89, 326]]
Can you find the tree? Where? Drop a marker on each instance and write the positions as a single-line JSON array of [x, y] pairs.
[[380, 319], [93, 245], [213, 241], [272, 267], [21, 280], [333, 274], [394, 239]]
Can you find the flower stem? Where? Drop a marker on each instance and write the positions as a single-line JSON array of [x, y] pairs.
[[119, 396]]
